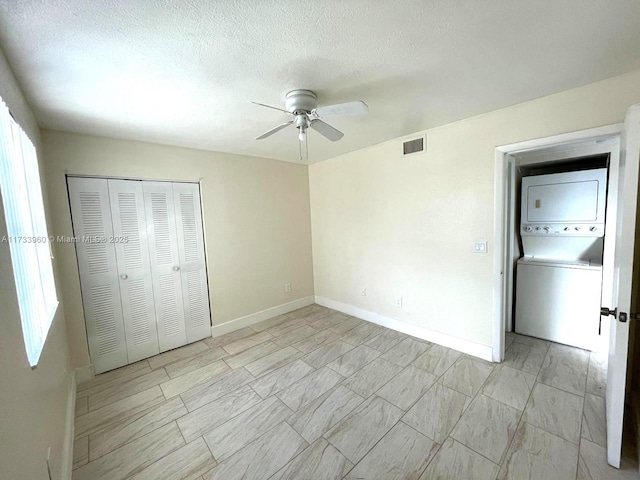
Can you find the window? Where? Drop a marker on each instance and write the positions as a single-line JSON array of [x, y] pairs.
[[26, 234]]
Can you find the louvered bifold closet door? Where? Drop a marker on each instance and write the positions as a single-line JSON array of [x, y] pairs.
[[132, 254], [192, 261], [89, 198], [162, 233]]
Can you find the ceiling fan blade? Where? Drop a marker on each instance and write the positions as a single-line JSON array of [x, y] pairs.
[[326, 130], [345, 109], [274, 130], [269, 106]]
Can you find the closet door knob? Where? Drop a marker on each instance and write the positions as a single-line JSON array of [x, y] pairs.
[[124, 276], [176, 268]]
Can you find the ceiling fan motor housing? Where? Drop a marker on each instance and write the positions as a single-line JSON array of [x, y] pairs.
[[300, 101]]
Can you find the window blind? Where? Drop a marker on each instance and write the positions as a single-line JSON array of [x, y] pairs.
[[26, 235]]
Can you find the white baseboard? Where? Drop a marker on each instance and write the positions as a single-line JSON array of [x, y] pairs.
[[484, 352], [257, 317], [67, 447], [84, 374]]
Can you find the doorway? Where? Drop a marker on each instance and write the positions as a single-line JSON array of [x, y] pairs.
[[547, 153], [621, 261], [622, 144]]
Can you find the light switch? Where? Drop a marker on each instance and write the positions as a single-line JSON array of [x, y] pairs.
[[480, 247]]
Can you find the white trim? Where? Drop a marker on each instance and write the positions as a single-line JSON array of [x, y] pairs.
[[135, 179], [67, 447], [84, 374], [502, 154], [465, 346], [499, 218], [572, 137], [257, 317], [567, 151]]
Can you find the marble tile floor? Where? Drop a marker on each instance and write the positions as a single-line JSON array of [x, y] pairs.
[[316, 394]]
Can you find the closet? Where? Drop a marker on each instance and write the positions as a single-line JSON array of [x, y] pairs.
[[142, 267]]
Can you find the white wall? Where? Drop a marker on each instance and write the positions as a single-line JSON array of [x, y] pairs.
[[33, 402], [256, 220], [406, 226]]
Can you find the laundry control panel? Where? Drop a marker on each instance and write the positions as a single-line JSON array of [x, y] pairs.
[[563, 229]]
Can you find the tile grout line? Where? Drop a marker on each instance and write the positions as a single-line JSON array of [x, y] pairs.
[[229, 455], [164, 397], [153, 408], [210, 451], [399, 419], [436, 452], [467, 408], [147, 411], [584, 401], [180, 430], [503, 458], [228, 419], [373, 446], [135, 439], [299, 453], [383, 353], [88, 449], [520, 419], [161, 390], [438, 379], [210, 385], [366, 399]]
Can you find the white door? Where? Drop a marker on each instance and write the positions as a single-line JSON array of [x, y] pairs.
[[134, 270], [89, 199], [622, 288], [192, 262], [162, 233]]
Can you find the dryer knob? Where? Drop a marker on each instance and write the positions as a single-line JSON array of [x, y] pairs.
[[593, 229], [528, 228], [577, 229], [566, 229]]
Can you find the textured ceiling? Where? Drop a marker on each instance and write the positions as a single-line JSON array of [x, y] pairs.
[[181, 72]]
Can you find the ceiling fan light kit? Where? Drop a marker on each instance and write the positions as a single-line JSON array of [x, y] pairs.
[[303, 106]]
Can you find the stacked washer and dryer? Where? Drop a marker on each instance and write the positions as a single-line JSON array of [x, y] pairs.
[[559, 278]]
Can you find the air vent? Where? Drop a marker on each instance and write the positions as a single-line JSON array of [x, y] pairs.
[[413, 146]]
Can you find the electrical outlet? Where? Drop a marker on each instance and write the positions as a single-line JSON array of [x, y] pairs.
[[287, 287], [399, 302], [363, 292], [480, 247]]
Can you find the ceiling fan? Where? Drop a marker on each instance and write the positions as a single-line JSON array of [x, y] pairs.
[[303, 106]]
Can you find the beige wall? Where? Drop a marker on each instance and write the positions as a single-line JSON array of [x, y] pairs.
[[256, 219], [406, 226], [33, 401]]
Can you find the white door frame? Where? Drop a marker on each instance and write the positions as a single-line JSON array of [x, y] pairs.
[[504, 179]]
